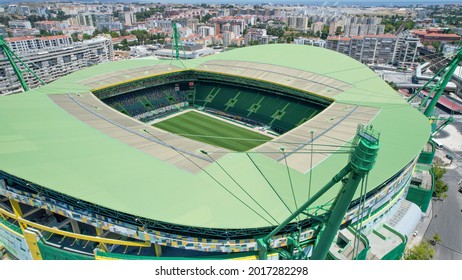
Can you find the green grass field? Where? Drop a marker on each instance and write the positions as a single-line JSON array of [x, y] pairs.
[[210, 130]]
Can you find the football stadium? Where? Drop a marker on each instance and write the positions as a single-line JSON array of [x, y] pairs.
[[246, 154]]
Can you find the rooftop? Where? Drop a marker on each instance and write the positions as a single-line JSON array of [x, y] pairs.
[[25, 38], [46, 144]]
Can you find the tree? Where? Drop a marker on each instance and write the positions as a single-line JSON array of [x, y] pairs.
[[44, 33], [141, 35], [441, 187], [75, 37], [437, 238], [325, 32], [439, 171], [4, 20], [34, 18], [206, 18], [436, 45], [338, 30], [254, 43], [142, 16], [114, 34], [86, 37], [62, 16], [423, 251]]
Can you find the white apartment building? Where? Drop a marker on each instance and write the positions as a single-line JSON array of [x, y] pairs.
[[50, 58], [205, 31], [377, 49], [317, 26], [19, 24], [127, 18]]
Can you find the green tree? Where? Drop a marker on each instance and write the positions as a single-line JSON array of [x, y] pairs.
[[141, 35], [44, 33], [409, 25], [34, 18], [441, 187], [4, 20], [254, 43], [75, 37], [86, 37], [325, 32], [439, 171], [338, 30], [60, 16], [423, 251], [437, 238], [113, 34], [436, 45], [206, 18]]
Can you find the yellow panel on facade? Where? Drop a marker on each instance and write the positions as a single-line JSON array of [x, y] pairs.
[[31, 240]]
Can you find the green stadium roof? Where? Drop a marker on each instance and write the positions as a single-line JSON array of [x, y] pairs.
[[46, 145]]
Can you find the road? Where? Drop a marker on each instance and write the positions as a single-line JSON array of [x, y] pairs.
[[447, 214]]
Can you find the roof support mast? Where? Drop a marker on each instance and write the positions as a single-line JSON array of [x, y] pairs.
[[362, 159], [440, 85], [11, 56], [175, 45]]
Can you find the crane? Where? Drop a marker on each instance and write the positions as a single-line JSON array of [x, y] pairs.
[[362, 159], [19, 73]]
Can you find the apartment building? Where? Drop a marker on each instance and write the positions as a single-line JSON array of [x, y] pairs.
[[20, 24], [50, 25], [50, 58], [377, 49], [317, 27], [258, 35]]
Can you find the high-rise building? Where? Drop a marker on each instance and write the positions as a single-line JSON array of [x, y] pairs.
[[334, 25], [205, 31], [301, 23], [380, 29], [127, 18], [317, 26], [363, 29], [228, 36], [376, 49]]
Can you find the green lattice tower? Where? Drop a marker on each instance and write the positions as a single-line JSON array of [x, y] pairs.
[[362, 159]]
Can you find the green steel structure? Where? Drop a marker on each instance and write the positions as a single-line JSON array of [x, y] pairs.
[[417, 194], [176, 43], [95, 170], [361, 161], [437, 90], [440, 85]]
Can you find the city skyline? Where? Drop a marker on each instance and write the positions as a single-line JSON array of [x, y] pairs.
[[253, 2]]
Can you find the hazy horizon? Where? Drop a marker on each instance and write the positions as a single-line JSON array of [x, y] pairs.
[[293, 2]]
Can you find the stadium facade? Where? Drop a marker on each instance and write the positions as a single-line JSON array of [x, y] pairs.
[[84, 174]]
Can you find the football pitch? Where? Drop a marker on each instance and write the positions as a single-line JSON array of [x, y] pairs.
[[213, 131]]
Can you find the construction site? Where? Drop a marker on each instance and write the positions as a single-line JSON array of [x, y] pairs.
[[266, 152]]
